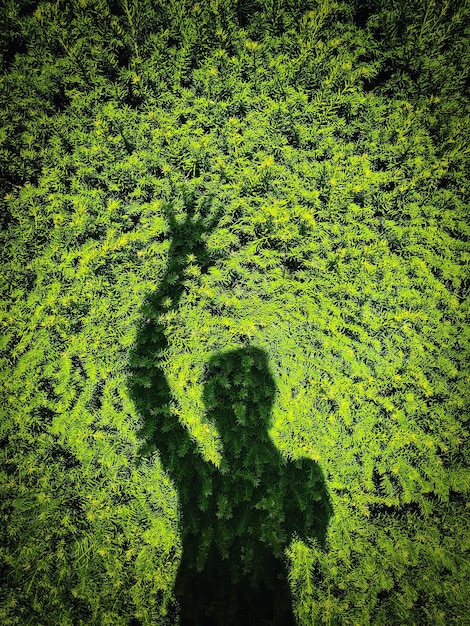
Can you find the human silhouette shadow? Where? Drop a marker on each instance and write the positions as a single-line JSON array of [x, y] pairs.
[[236, 519]]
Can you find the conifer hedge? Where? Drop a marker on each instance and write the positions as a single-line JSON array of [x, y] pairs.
[[330, 140]]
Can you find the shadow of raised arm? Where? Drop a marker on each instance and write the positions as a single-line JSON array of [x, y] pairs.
[[147, 383]]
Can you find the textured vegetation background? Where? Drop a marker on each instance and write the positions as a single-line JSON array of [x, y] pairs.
[[332, 140]]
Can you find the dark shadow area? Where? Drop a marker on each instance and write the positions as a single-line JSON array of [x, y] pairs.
[[238, 519]]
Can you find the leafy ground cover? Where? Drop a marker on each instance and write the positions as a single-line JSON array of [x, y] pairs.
[[183, 180]]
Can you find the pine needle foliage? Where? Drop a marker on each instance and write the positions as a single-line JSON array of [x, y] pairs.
[[185, 180]]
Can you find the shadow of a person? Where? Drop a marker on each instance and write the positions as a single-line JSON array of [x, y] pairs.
[[236, 519]]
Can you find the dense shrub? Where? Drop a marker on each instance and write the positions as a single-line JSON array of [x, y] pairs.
[[182, 180]]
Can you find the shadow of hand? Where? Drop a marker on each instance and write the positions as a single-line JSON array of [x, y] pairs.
[[188, 237]]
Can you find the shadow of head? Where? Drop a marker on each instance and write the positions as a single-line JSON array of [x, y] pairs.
[[239, 392]]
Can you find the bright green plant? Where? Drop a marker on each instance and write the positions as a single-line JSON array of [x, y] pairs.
[[331, 140]]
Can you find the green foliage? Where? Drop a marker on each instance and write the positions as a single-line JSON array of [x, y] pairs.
[[330, 139]]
